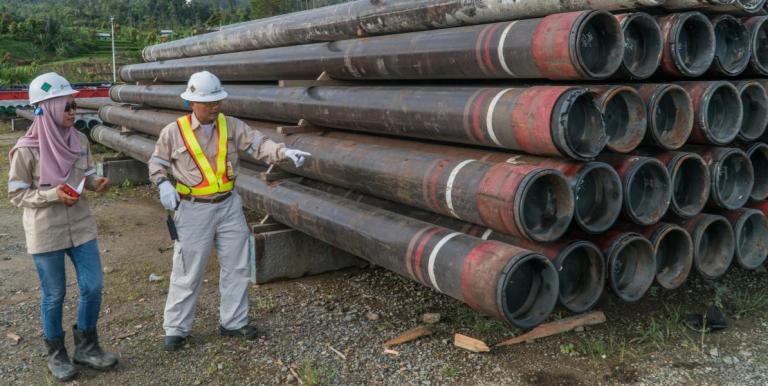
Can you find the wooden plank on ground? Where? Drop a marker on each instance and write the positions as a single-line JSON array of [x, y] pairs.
[[469, 343], [408, 336], [557, 327]]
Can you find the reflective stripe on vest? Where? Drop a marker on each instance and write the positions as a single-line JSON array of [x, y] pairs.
[[213, 182]]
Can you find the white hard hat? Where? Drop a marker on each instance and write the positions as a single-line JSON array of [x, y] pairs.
[[49, 86], [204, 87]]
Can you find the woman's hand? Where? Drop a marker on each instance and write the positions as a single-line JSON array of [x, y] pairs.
[[64, 197], [101, 184]]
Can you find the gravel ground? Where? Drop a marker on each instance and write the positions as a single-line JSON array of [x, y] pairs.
[[329, 329]]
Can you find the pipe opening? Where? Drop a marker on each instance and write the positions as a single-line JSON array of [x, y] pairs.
[[648, 192], [734, 180], [674, 257], [690, 182], [642, 45], [633, 268], [582, 276], [81, 124], [625, 121], [598, 197], [529, 291], [584, 128], [672, 120], [723, 114], [694, 45], [760, 46], [752, 240], [754, 105], [714, 248], [751, 5], [758, 155], [731, 45], [547, 206], [598, 46]]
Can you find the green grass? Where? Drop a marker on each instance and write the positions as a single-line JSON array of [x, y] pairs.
[[20, 51], [478, 323], [312, 374]]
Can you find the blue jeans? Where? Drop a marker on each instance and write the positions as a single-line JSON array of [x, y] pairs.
[[50, 269]]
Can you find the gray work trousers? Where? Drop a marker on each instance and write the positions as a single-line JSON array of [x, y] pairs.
[[199, 225]]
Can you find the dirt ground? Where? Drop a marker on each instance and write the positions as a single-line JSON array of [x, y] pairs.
[[329, 329]]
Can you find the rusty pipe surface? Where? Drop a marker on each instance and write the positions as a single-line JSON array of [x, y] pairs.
[[545, 120], [670, 115], [758, 156], [367, 18], [730, 6], [643, 45], [580, 264], [718, 112], [596, 186], [631, 263], [522, 199], [713, 243], [754, 102], [731, 175], [93, 103], [758, 28], [732, 46], [646, 185], [690, 177], [566, 46], [625, 116], [689, 44], [750, 228], [500, 280], [673, 247]]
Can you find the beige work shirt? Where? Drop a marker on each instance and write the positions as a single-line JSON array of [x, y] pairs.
[[171, 152], [49, 225]]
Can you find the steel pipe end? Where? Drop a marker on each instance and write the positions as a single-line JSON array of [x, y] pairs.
[[758, 156], [758, 26], [581, 268], [674, 255], [598, 196], [690, 44], [578, 128], [528, 290], [643, 45], [690, 184], [647, 191], [754, 102], [93, 123], [545, 207], [714, 245], [631, 266], [625, 118], [598, 44], [732, 46], [81, 124], [751, 6], [671, 117], [750, 227], [732, 179], [720, 112]]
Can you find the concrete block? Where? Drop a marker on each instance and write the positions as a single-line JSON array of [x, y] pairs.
[[290, 254], [124, 169]]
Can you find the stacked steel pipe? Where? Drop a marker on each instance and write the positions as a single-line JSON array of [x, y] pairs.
[[646, 167]]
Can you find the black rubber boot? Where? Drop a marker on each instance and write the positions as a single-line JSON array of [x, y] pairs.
[[89, 353], [58, 360], [248, 332]]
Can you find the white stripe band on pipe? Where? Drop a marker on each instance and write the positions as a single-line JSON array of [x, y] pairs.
[[502, 58], [486, 234], [433, 257], [449, 185], [489, 117]]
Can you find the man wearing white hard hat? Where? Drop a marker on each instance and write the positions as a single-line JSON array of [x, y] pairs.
[[200, 150]]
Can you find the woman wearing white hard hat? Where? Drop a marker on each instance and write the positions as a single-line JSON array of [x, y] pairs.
[[199, 153], [50, 166]]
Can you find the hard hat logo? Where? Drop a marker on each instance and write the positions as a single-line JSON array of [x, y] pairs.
[[204, 87], [46, 87]]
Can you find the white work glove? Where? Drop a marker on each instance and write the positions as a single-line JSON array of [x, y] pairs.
[[169, 197], [297, 156]]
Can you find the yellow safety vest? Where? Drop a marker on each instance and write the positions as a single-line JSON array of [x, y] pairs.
[[212, 183]]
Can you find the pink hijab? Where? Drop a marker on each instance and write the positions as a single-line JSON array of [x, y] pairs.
[[59, 146]]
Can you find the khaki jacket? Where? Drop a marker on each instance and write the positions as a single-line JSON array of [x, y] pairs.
[[49, 225], [171, 152]]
